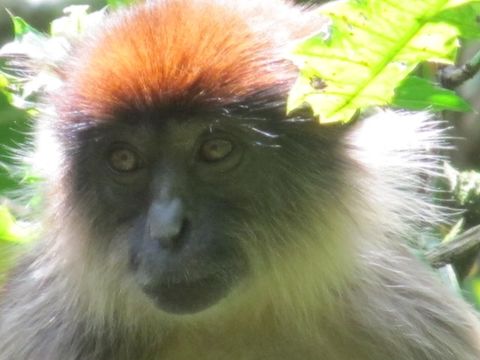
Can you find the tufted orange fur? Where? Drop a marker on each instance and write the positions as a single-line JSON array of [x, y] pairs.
[[186, 53]]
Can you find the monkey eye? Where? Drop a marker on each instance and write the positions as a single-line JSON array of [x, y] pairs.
[[123, 159], [215, 150]]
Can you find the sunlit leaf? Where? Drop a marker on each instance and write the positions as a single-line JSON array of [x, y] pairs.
[[10, 229], [3, 87], [472, 290], [368, 48], [476, 290]]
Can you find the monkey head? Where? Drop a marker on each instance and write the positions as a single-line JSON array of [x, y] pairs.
[[187, 175]]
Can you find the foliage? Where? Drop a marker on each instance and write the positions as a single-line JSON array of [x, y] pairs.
[[21, 81], [39, 55], [369, 47]]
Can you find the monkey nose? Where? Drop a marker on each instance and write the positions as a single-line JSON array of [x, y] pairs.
[[167, 223]]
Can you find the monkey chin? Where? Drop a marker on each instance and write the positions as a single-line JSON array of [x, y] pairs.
[[188, 296]]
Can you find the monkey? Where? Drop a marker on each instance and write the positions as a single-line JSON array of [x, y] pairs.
[[187, 216]]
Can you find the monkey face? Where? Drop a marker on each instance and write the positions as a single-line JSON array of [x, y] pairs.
[[193, 198], [179, 191]]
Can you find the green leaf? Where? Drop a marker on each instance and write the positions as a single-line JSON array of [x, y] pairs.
[[464, 15], [119, 3], [472, 290], [415, 93], [369, 48], [11, 230], [476, 290], [4, 88], [3, 81], [21, 27]]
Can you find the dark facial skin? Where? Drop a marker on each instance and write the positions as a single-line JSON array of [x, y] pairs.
[[183, 188], [181, 254]]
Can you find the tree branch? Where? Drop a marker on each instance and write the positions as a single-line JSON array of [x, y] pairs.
[[453, 76], [456, 249]]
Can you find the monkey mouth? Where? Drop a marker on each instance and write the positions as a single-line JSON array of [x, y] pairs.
[[188, 296]]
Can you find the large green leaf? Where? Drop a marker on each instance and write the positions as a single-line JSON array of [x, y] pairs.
[[370, 47]]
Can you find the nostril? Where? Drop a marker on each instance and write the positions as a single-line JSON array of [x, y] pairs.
[[177, 239]]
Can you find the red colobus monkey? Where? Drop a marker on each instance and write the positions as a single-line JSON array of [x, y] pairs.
[[187, 217]]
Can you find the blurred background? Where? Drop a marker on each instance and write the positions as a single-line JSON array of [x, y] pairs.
[[13, 124]]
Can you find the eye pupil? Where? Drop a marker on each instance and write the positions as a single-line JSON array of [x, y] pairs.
[[123, 160], [215, 150]]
